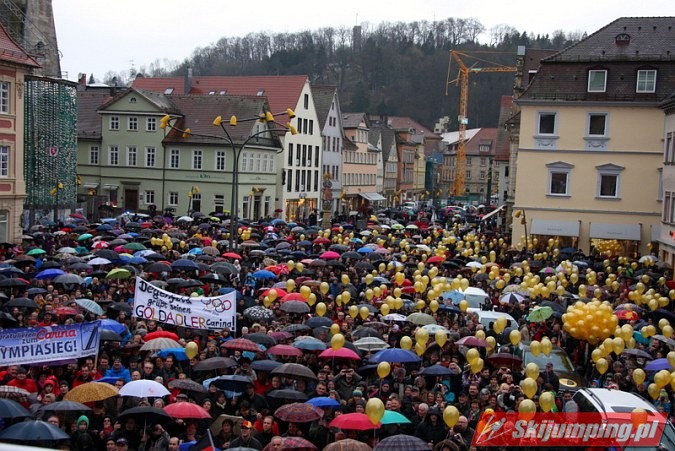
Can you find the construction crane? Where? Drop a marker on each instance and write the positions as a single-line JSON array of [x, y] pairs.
[[463, 81]]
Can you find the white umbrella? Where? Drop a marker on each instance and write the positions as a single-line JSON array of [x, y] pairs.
[[395, 317], [184, 219], [144, 389], [371, 344], [99, 261], [474, 264]]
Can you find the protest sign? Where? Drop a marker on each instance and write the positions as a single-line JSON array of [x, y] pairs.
[[195, 312], [28, 346]]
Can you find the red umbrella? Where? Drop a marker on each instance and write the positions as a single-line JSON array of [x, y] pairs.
[[232, 255], [330, 255], [353, 422], [472, 342], [342, 353], [629, 315], [321, 240], [186, 410], [285, 351], [241, 344], [296, 443], [161, 334], [435, 259], [505, 359], [293, 297], [280, 292], [298, 412], [66, 311]]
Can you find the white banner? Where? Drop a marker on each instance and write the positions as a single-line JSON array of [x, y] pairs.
[[213, 313], [48, 344]]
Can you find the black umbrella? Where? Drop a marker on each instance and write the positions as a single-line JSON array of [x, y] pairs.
[[262, 339], [364, 266], [187, 384], [436, 370], [292, 307], [109, 335], [13, 283], [363, 332], [147, 415], [318, 321], [265, 365], [12, 409], [22, 302], [259, 313], [33, 431], [157, 267], [121, 306], [291, 395], [108, 254], [215, 363], [65, 406], [232, 383]]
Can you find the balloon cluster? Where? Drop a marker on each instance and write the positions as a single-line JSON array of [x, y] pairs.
[[164, 242], [591, 322]]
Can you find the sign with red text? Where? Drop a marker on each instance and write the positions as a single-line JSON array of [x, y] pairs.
[[569, 429], [195, 312]]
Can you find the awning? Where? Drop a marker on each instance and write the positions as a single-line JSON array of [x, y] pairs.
[[608, 231], [110, 187], [90, 185], [554, 228], [493, 212], [372, 196], [656, 232]]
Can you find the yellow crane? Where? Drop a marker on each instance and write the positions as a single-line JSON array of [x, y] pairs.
[[463, 81]]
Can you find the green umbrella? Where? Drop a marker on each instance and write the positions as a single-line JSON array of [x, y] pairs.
[[85, 236], [36, 251], [118, 273], [392, 417], [134, 247], [540, 314]]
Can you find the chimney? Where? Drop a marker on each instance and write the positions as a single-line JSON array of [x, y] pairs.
[[188, 81], [82, 80]]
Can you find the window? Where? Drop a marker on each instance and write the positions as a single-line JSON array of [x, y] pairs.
[[597, 124], [196, 159], [4, 161], [670, 148], [609, 178], [558, 178], [93, 154], [597, 80], [289, 182], [113, 156], [266, 206], [150, 157], [132, 123], [4, 97], [306, 101], [220, 160], [173, 198], [114, 122], [151, 124], [219, 203], [131, 156], [150, 197], [482, 175], [174, 160], [244, 209], [547, 124], [290, 154], [646, 81], [468, 174]]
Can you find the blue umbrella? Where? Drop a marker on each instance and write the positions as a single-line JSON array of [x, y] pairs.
[[33, 431], [183, 264], [49, 273], [278, 221], [396, 355], [323, 401], [436, 370], [365, 250], [179, 353], [640, 339], [264, 274], [113, 325], [265, 365], [195, 251], [657, 365], [454, 295], [392, 417], [226, 290], [310, 344]]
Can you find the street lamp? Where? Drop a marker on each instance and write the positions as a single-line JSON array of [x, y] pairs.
[[266, 117], [55, 192], [523, 220]]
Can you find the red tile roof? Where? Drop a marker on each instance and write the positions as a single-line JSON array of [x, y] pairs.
[[281, 91], [12, 52]]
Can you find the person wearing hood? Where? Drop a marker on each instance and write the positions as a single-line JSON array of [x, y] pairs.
[[432, 430], [82, 439]]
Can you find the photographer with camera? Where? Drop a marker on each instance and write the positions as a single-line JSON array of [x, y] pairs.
[[346, 382]]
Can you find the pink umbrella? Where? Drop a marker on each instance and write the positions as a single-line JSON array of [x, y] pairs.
[[330, 255], [472, 342], [100, 244], [342, 353], [186, 410], [353, 422], [285, 351]]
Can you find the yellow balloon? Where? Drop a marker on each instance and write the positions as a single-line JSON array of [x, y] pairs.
[[320, 309], [639, 376], [667, 331], [369, 294], [420, 348], [472, 354], [451, 416], [529, 387], [346, 296], [499, 325], [433, 305], [535, 347], [364, 313], [618, 345], [527, 409], [324, 288], [353, 311], [491, 342], [546, 401], [463, 305], [546, 346], [638, 417], [422, 336], [662, 378], [272, 294], [480, 334], [334, 329], [441, 338], [671, 358], [602, 366], [383, 369], [375, 410], [596, 355], [514, 337], [290, 285], [305, 291], [406, 343], [345, 279], [653, 391], [312, 299], [267, 301], [477, 365], [532, 370], [337, 341], [384, 309], [191, 350]]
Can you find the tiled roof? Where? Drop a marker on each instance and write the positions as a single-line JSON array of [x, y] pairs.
[[403, 122], [88, 119], [483, 137], [503, 146], [353, 120], [452, 138], [281, 91], [11, 51], [648, 38], [323, 99], [388, 140], [199, 111]]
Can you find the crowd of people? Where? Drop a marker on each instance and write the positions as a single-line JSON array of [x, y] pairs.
[[378, 277]]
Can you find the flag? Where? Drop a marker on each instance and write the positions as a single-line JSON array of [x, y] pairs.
[[204, 444]]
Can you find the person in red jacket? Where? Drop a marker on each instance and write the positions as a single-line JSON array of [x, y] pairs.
[[22, 381]]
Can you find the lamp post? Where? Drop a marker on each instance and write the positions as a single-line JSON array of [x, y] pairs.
[[55, 192], [523, 220], [266, 117]]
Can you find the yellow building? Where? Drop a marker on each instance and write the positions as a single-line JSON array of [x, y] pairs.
[[590, 142]]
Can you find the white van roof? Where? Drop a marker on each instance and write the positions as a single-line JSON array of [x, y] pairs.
[[619, 401]]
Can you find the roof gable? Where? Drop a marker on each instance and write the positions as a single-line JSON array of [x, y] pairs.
[[11, 51], [324, 96]]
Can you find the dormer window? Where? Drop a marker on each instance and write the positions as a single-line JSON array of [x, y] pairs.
[[646, 81], [597, 80], [132, 100]]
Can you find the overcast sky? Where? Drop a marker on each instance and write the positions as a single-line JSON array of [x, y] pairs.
[[95, 37]]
